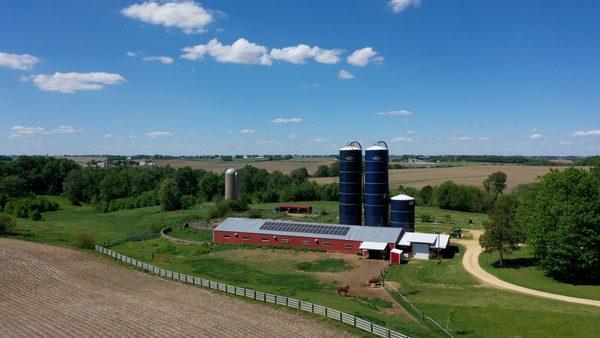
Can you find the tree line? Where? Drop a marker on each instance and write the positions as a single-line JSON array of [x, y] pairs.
[[118, 188], [558, 217]]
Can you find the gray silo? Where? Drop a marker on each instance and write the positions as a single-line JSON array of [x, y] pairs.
[[231, 184], [403, 212], [377, 193], [350, 186]]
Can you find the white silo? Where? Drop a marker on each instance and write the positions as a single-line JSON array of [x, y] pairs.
[[231, 184]]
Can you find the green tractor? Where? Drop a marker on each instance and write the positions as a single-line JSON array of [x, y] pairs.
[[456, 232]]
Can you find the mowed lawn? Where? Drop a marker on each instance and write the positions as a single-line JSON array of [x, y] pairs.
[[65, 225], [191, 234], [521, 268], [447, 293]]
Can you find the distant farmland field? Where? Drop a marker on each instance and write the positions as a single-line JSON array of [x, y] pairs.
[[471, 174], [285, 166]]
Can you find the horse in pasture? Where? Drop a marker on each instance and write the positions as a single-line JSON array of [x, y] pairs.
[[343, 289]]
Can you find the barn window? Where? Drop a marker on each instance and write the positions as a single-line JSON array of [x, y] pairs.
[[305, 242], [285, 241], [226, 236], [264, 239], [348, 246], [327, 244], [245, 238]]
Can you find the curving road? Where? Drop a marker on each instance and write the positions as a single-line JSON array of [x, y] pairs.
[[471, 264]]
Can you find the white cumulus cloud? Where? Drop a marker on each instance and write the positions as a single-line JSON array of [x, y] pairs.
[[535, 136], [131, 54], [241, 51], [345, 75], [292, 136], [155, 134], [64, 129], [363, 57], [587, 133], [410, 131], [247, 131], [108, 135], [18, 131], [395, 113], [162, 59], [18, 61], [287, 120], [300, 53], [402, 139], [72, 82], [186, 15], [398, 6]]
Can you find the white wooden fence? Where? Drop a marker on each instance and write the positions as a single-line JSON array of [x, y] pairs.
[[345, 318]]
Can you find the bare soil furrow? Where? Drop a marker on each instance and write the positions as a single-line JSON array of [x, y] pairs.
[[52, 291]]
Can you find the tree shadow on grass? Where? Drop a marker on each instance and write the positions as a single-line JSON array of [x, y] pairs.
[[516, 263]]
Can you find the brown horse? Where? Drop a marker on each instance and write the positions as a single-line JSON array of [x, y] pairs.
[[343, 289], [375, 281]]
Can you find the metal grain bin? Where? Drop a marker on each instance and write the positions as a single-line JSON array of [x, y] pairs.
[[403, 212], [350, 187], [231, 184], [376, 185]]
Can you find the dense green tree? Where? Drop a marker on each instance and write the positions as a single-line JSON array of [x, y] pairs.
[[323, 171], [187, 180], [501, 232], [299, 175], [13, 186], [6, 222], [169, 195], [211, 185], [426, 195], [452, 196], [561, 218], [335, 168], [495, 183]]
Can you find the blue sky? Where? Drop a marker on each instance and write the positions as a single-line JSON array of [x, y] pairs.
[[304, 77]]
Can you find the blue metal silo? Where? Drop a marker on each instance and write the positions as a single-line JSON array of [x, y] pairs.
[[376, 186], [350, 178], [403, 212]]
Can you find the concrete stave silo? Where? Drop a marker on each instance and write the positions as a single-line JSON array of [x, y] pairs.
[[377, 185], [231, 175], [350, 184], [403, 212]]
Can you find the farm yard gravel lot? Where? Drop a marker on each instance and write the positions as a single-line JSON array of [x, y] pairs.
[[53, 291], [469, 174]]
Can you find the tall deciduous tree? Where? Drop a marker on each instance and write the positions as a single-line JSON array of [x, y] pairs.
[[502, 232], [561, 218], [6, 222], [169, 195], [495, 183]]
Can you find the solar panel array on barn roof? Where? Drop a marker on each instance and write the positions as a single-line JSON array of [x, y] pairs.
[[315, 230]]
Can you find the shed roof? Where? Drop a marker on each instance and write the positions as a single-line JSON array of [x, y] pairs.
[[402, 197], [419, 237], [315, 230]]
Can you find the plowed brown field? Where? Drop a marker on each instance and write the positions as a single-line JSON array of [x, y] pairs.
[[52, 291]]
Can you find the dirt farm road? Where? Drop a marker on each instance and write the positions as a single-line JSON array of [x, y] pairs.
[[471, 264], [53, 291]]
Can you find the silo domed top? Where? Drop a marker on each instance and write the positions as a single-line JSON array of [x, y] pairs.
[[349, 147], [230, 171], [402, 197], [376, 147]]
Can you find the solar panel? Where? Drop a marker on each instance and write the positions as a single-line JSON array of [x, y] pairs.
[[321, 229]]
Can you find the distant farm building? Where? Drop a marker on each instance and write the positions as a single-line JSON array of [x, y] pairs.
[[372, 241], [294, 208]]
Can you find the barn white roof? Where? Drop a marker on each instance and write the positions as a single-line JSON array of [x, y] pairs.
[[419, 237], [331, 231], [402, 197]]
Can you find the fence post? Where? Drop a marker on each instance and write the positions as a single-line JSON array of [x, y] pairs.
[[326, 311], [371, 327], [313, 307]]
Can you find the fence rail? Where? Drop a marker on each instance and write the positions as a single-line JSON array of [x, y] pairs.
[[340, 316]]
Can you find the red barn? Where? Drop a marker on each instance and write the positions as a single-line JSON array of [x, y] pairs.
[[328, 237]]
